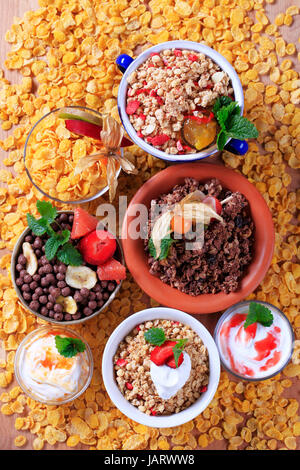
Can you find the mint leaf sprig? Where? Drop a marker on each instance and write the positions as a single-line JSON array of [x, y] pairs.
[[157, 337], [258, 313], [165, 246], [232, 124], [69, 347], [58, 242]]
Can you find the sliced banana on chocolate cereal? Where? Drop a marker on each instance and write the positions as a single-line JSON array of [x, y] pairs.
[[79, 277], [32, 263], [68, 304]]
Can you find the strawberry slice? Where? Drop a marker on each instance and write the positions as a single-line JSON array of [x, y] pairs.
[[161, 354], [171, 362], [214, 203], [83, 223], [112, 270]]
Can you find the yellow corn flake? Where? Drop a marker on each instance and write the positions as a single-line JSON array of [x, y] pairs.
[[20, 441]]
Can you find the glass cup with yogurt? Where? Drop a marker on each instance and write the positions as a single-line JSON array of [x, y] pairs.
[[47, 376], [257, 352]]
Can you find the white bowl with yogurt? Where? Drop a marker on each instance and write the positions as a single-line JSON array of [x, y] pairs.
[[162, 421], [257, 352], [47, 376]]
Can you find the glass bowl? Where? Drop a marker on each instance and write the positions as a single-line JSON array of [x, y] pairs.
[[34, 133], [243, 307], [19, 365]]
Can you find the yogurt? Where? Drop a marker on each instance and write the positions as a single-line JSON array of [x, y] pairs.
[[258, 351], [49, 375], [168, 381]]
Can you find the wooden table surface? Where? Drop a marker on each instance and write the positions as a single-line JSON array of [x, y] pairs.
[[16, 8]]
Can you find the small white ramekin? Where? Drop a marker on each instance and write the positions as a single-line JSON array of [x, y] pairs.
[[193, 46], [109, 376]]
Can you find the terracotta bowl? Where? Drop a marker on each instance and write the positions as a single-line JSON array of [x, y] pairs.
[[136, 258]]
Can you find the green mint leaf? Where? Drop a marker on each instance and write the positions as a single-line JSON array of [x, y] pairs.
[[51, 247], [54, 242], [178, 349], [47, 211], [250, 319], [240, 127], [37, 226], [226, 113], [220, 102], [260, 314], [69, 255], [165, 246], [155, 336], [222, 139], [151, 247], [69, 347]]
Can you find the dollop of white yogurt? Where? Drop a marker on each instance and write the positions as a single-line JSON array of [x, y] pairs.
[[168, 381]]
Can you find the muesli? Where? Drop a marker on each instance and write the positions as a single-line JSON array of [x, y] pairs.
[[162, 367], [200, 238], [170, 89]]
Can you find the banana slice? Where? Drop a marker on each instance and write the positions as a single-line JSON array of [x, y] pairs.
[[79, 277], [68, 304], [32, 263]]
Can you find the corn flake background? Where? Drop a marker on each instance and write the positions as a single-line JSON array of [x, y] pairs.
[[63, 53]]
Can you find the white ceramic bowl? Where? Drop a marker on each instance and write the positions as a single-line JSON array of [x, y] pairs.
[[193, 46], [109, 377]]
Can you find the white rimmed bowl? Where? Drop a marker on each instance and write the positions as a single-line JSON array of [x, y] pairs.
[[109, 376], [125, 61]]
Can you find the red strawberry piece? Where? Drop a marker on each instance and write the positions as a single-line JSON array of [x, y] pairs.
[[160, 100], [192, 57], [153, 93], [203, 389], [171, 362], [97, 247], [179, 145], [152, 411], [209, 86], [139, 397], [132, 106], [121, 362], [151, 65], [138, 327], [83, 223], [178, 53], [142, 116], [141, 90], [153, 54], [161, 354], [139, 134], [112, 270], [129, 386], [196, 83], [160, 139], [186, 147], [214, 203], [175, 322]]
